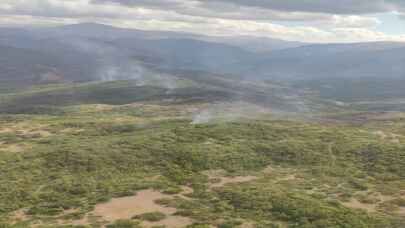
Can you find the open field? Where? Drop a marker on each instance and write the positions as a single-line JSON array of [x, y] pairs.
[[148, 163]]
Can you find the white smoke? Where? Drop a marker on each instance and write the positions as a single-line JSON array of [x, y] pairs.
[[127, 71], [139, 74], [203, 117], [228, 112]]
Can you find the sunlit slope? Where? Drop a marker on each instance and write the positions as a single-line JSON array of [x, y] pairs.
[[184, 87], [80, 166]]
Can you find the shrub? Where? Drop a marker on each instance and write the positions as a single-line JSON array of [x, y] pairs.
[[124, 224], [151, 217]]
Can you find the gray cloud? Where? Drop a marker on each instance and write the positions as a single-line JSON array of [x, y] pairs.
[[213, 9], [307, 20], [149, 3], [332, 7], [319, 13], [310, 6]]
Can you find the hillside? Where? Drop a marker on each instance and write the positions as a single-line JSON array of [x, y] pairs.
[[199, 161], [93, 52], [119, 128], [358, 60]]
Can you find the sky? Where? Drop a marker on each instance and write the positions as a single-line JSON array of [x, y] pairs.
[[320, 21]]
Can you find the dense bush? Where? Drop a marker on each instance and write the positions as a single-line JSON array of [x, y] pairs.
[[118, 153]]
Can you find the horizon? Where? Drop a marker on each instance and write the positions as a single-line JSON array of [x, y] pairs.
[[28, 28], [349, 21], [202, 113]]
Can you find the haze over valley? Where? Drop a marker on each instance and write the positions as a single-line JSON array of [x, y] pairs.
[[201, 114]]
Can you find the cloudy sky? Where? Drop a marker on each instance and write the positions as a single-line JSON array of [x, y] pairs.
[[302, 20]]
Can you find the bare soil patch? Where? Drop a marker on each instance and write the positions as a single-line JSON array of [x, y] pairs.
[[222, 180], [391, 137], [230, 180], [287, 178], [401, 211], [141, 203], [170, 222], [354, 203], [369, 207], [186, 190], [19, 216], [25, 129], [71, 130], [41, 133], [13, 148], [247, 225], [126, 207], [268, 170], [6, 130]]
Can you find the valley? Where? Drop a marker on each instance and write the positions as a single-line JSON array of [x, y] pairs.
[[139, 160], [121, 128]]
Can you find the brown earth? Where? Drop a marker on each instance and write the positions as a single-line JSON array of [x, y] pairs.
[[222, 180], [142, 202]]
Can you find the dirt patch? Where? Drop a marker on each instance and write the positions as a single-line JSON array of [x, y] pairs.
[[142, 202], [230, 180], [268, 170], [91, 108], [35, 132], [393, 138], [71, 130], [25, 129], [247, 225], [171, 221], [278, 174], [384, 198], [13, 148], [382, 135], [186, 190], [221, 180], [101, 107], [369, 207], [287, 178], [395, 141], [401, 211], [19, 216], [41, 133], [354, 203], [6, 130], [126, 207]]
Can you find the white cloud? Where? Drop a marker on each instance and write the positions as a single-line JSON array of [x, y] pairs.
[[348, 7], [354, 21], [360, 34], [27, 20], [209, 18]]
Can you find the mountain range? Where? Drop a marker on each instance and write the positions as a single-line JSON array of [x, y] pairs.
[[88, 52]]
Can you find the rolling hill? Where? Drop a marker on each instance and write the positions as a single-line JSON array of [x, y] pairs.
[[95, 52]]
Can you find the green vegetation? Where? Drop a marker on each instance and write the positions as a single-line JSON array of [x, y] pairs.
[[123, 224], [56, 167], [49, 99], [151, 216]]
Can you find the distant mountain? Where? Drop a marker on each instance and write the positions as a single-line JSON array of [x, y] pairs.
[[91, 30], [95, 51], [25, 67], [106, 32], [187, 53], [252, 43], [375, 59], [85, 52]]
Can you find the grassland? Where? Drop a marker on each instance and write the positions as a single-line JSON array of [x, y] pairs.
[[108, 156]]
